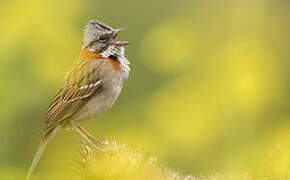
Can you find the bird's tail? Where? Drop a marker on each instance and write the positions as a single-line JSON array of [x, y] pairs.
[[43, 142]]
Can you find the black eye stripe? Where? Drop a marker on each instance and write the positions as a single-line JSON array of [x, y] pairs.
[[103, 38]]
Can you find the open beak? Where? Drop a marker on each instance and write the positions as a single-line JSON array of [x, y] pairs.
[[119, 43]]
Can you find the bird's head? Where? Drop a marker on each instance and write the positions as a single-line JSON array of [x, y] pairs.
[[98, 37]]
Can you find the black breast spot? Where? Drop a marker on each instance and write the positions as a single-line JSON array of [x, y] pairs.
[[114, 57]]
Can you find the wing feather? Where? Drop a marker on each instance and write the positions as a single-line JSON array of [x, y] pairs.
[[79, 85]]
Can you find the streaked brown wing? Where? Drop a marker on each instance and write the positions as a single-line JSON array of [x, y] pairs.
[[79, 85]]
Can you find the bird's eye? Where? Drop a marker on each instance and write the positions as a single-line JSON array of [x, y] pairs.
[[103, 38]]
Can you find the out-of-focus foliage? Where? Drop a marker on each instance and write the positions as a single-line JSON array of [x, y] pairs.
[[208, 91], [119, 161], [111, 160]]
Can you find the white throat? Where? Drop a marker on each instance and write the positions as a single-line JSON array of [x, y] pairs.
[[119, 52]]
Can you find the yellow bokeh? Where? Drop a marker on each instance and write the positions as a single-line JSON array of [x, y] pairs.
[[248, 73], [166, 47]]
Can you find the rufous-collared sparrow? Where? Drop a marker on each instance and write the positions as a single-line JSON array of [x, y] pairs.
[[90, 87]]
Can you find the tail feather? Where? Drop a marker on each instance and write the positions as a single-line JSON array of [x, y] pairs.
[[43, 142], [37, 156]]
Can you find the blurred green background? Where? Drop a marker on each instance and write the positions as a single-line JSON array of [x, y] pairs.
[[208, 91]]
